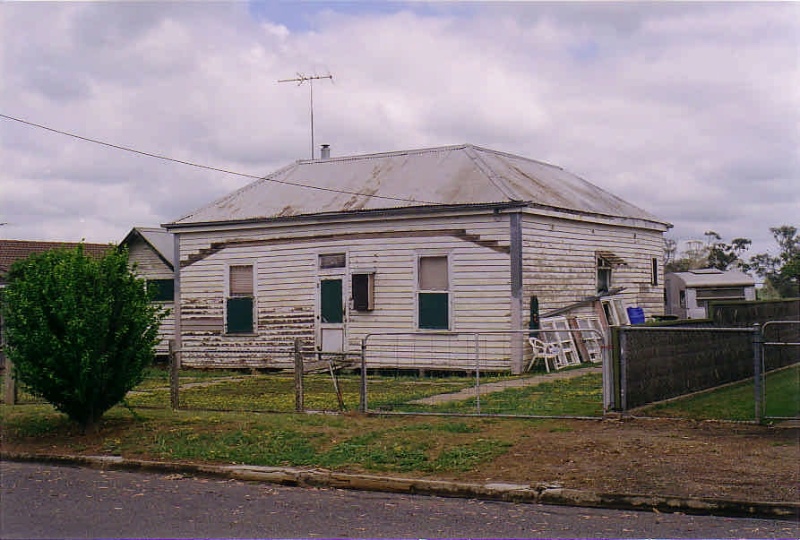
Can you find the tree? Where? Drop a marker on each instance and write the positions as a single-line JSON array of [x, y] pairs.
[[80, 330], [714, 253], [782, 272], [723, 256]]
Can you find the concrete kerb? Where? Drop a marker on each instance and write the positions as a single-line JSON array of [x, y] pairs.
[[508, 492]]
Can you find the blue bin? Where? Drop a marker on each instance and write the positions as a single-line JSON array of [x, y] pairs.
[[636, 315]]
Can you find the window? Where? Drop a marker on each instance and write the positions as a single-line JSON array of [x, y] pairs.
[[240, 299], [163, 290], [433, 293], [654, 272], [363, 290], [603, 275], [332, 260]]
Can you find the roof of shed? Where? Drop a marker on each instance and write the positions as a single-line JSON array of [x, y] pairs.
[[160, 240], [14, 250], [711, 277], [442, 176]]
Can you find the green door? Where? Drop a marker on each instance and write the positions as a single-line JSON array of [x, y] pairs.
[[331, 304]]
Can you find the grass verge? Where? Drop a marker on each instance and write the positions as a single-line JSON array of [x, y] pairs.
[[737, 402], [352, 442]]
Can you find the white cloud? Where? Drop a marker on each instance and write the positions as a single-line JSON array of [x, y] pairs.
[[687, 110]]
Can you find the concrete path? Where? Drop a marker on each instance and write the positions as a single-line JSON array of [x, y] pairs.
[[488, 388]]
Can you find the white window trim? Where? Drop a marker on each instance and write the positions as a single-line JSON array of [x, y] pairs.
[[418, 254], [332, 271], [227, 295]]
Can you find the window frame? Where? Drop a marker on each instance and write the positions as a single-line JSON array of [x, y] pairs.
[[419, 291], [604, 266], [160, 285], [367, 302], [654, 271], [231, 296]]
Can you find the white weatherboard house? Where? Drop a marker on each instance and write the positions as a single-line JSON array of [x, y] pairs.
[[151, 250], [456, 238]]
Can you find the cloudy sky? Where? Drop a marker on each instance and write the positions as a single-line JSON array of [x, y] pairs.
[[691, 111]]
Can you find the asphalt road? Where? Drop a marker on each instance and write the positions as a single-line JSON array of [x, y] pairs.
[[45, 501]]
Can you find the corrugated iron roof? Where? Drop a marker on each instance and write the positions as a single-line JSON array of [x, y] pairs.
[[14, 250], [448, 175], [159, 239], [709, 277]]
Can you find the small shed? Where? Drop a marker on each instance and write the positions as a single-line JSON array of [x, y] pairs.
[[688, 294], [150, 254]]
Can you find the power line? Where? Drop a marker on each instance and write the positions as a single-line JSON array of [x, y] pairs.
[[200, 166]]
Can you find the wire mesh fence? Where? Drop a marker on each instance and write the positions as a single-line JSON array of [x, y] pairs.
[[469, 373], [781, 370]]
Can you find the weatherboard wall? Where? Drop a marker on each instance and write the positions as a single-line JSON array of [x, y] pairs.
[[559, 262], [285, 259], [149, 265]]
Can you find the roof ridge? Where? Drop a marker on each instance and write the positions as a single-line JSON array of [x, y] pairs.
[[496, 180], [518, 156], [392, 153]]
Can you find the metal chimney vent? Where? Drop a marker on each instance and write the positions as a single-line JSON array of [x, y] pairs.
[[325, 151]]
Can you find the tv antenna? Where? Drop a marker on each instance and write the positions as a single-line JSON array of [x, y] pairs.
[[300, 79]]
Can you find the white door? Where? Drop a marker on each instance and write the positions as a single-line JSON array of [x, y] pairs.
[[331, 314]]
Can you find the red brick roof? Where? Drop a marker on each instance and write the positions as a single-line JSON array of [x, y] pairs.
[[14, 250]]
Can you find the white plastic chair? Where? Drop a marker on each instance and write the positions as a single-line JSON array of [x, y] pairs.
[[545, 352]]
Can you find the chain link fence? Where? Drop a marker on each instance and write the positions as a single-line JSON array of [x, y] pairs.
[[738, 373]]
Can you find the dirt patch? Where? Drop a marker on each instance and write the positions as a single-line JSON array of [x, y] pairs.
[[663, 457]]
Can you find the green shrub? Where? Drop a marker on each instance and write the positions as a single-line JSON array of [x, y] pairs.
[[80, 330]]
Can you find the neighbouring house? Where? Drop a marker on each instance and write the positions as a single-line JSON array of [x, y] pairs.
[[15, 250], [688, 294], [150, 254], [448, 239]]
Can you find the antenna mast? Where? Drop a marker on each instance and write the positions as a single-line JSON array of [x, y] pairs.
[[300, 79]]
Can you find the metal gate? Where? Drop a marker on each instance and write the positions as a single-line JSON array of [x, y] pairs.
[[778, 380], [467, 374]]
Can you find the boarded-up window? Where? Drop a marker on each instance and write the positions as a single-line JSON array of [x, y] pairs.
[[239, 305], [363, 289], [433, 296]]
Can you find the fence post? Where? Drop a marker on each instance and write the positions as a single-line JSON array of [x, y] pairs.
[[478, 372], [362, 394], [299, 395], [174, 396], [758, 387], [622, 374]]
